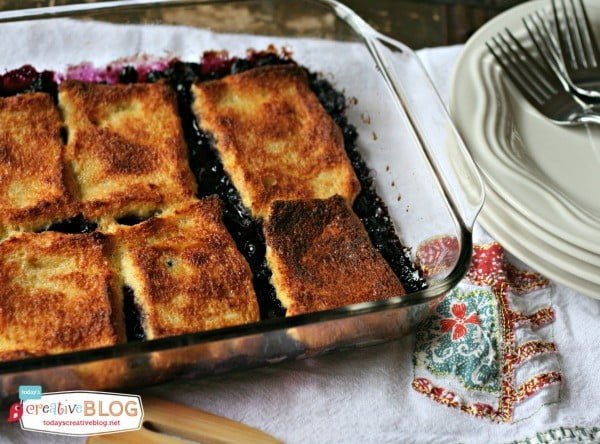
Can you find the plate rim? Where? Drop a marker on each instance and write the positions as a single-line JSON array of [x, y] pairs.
[[524, 253]]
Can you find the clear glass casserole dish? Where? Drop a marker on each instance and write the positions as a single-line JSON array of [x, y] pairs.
[[420, 168]]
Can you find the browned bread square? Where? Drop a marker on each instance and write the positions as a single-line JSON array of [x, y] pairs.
[[58, 293], [322, 258], [125, 150], [275, 139], [186, 272], [32, 187]]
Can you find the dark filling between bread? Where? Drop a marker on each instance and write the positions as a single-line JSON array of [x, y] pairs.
[[133, 316], [77, 224], [212, 179], [133, 219]]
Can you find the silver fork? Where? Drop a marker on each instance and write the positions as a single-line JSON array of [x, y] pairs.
[[538, 83], [578, 47]]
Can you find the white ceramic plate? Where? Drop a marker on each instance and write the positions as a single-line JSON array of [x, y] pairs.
[[543, 181], [507, 226]]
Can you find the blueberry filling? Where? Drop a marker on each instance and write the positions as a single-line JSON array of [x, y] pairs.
[[133, 316], [74, 225], [128, 75], [64, 135], [132, 219]]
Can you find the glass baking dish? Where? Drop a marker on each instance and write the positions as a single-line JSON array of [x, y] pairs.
[[420, 166]]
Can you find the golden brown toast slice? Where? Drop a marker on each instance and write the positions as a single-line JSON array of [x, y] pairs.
[[125, 150], [321, 257], [274, 138], [186, 272], [58, 294], [32, 186]]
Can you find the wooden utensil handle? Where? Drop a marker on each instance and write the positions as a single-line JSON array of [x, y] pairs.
[[169, 422]]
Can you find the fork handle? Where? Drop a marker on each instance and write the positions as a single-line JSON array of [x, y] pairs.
[[590, 118]]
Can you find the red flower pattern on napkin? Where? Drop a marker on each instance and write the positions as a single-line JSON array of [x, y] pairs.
[[458, 324]]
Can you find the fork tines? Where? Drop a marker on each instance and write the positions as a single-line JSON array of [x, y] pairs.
[[533, 78], [542, 37], [575, 36]]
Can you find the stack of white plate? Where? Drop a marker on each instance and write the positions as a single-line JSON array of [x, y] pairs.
[[542, 180]]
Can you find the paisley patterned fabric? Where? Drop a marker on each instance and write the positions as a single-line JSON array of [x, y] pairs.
[[461, 339]]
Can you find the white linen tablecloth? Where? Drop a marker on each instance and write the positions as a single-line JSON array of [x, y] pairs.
[[369, 396]]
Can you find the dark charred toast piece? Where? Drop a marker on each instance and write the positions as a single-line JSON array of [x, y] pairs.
[[32, 186], [275, 139], [321, 257], [186, 272], [58, 293], [125, 150]]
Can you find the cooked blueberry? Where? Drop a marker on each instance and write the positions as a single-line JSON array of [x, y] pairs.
[[128, 75], [265, 59], [74, 225], [240, 65], [155, 76]]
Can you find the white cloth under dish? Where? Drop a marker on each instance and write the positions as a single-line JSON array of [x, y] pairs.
[[366, 396]]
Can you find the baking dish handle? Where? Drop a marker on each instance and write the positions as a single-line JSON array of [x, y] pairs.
[[411, 86]]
